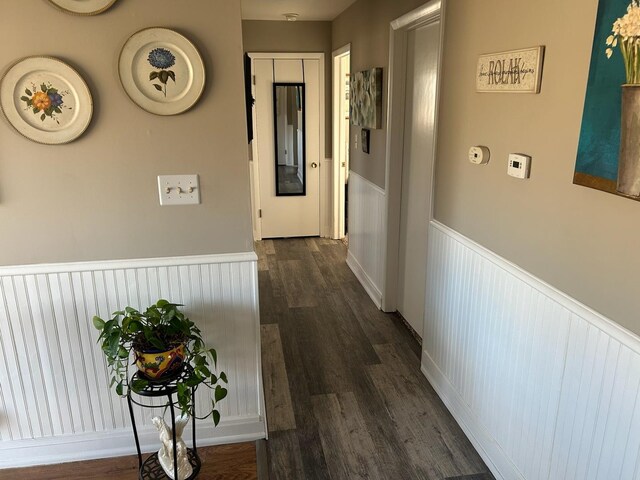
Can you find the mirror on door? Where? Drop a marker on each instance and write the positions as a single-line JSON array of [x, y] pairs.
[[288, 108]]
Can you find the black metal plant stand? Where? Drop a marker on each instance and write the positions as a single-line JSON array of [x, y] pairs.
[[151, 469]]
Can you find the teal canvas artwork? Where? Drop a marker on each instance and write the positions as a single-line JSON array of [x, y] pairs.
[[608, 156]]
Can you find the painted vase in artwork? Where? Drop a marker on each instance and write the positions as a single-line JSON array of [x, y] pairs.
[[625, 35], [629, 159]]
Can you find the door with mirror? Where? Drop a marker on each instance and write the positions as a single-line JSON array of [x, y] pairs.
[[287, 146]]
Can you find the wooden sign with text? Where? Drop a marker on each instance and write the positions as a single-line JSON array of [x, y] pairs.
[[516, 71]]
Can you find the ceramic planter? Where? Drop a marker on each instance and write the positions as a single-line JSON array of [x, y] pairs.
[[156, 365], [629, 160]]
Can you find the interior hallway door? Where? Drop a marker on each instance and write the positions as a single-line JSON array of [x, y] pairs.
[[289, 195], [417, 171]]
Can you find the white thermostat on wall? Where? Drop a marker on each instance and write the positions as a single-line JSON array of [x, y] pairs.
[[519, 165], [479, 155]]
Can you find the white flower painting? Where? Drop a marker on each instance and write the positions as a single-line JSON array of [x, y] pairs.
[[366, 98]]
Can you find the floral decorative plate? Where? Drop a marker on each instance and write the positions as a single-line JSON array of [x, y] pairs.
[[83, 7], [46, 100], [161, 71]]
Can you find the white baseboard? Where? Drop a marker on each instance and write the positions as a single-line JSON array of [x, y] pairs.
[[92, 446], [364, 279], [495, 458]]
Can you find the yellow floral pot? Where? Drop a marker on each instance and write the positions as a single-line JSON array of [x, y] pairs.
[[160, 365]]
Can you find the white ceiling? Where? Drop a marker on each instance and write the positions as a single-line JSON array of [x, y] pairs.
[[307, 9]]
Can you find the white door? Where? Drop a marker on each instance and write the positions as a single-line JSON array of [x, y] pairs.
[[417, 171], [289, 184]]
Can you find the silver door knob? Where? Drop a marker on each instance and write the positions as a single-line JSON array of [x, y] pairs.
[[314, 165]]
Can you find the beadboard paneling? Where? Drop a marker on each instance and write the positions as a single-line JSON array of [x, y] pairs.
[[545, 387], [366, 234], [53, 376]]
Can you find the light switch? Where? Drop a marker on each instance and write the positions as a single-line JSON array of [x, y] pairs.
[[179, 189]]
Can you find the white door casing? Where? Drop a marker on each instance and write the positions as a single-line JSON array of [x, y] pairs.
[[417, 171], [430, 12], [286, 216], [341, 128]]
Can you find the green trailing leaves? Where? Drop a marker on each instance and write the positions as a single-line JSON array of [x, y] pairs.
[[216, 417], [160, 328], [220, 393], [98, 323]]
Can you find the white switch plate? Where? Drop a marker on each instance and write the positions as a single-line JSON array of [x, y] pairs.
[[519, 165], [174, 189]]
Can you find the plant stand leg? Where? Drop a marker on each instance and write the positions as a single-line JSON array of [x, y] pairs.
[[173, 431], [193, 420], [135, 430]]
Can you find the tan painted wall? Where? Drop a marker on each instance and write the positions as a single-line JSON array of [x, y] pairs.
[[272, 36], [96, 198], [584, 242], [366, 26]]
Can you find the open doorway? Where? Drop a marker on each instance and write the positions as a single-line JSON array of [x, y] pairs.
[[341, 76]]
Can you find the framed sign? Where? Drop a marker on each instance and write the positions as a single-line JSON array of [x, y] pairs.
[[515, 71]]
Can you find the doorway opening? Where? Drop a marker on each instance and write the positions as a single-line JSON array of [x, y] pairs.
[[341, 129], [414, 79]]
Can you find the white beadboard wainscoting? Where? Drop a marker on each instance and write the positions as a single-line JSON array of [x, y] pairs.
[[366, 234], [545, 387], [55, 404]]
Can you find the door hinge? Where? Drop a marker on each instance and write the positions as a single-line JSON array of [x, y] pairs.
[[260, 213], [253, 79]]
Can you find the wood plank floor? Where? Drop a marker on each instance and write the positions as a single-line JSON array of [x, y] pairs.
[[344, 393], [223, 462]]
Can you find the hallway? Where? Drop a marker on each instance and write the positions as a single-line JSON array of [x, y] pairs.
[[344, 392]]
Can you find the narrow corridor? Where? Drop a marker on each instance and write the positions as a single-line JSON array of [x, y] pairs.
[[344, 392]]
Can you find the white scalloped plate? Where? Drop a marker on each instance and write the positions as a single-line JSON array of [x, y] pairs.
[[83, 7], [161, 71], [46, 100]]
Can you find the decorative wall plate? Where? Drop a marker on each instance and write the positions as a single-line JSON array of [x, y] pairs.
[[46, 100], [83, 7], [161, 71]]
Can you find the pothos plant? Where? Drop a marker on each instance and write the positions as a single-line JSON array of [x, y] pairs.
[[160, 328]]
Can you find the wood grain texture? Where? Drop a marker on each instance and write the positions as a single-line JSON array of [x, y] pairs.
[[276, 383], [223, 462], [362, 408]]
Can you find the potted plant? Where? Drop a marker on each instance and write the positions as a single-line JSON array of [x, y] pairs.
[[161, 341]]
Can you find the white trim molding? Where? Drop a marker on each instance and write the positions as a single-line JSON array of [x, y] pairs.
[[430, 13], [544, 387], [55, 386]]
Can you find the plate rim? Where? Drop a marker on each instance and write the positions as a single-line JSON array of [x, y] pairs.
[[199, 57], [109, 4], [83, 83]]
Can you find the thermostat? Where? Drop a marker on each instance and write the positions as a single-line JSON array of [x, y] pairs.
[[479, 155], [519, 165]]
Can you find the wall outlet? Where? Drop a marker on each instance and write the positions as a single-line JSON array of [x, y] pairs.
[[179, 189]]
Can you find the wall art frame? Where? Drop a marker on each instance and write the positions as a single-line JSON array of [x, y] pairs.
[[161, 71], [365, 100], [83, 7], [45, 100]]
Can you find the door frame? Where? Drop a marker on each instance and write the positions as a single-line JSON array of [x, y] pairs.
[[254, 162], [339, 174], [427, 14]]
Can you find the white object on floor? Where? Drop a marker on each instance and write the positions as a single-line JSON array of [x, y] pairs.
[[165, 454]]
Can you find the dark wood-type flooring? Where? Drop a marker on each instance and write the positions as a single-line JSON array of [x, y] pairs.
[[224, 462], [344, 392]]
